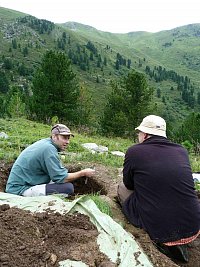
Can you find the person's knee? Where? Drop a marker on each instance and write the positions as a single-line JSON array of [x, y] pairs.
[[65, 188], [123, 193], [70, 188], [120, 192], [119, 188]]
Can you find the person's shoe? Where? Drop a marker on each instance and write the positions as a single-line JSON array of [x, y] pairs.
[[116, 200], [178, 252]]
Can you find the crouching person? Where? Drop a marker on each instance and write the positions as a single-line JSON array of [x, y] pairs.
[[38, 170], [157, 193]]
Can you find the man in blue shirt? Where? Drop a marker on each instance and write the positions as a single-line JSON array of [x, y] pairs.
[[38, 170]]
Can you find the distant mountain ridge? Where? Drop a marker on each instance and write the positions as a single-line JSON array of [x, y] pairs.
[[142, 41], [72, 25], [98, 56]]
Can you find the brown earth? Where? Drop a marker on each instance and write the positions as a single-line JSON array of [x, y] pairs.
[[44, 239]]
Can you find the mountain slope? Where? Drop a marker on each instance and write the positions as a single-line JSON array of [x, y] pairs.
[[94, 55], [176, 49]]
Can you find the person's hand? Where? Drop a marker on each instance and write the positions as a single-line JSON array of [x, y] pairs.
[[89, 172]]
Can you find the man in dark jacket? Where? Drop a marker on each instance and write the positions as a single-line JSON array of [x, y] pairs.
[[157, 192]]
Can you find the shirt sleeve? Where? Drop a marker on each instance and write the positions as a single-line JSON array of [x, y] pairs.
[[56, 171], [128, 172]]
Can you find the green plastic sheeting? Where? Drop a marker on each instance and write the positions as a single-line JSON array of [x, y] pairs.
[[113, 240]]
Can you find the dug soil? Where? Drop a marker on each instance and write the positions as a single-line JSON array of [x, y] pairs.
[[44, 239]]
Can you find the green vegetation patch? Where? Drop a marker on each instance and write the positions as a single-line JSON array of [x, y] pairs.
[[197, 186], [22, 132]]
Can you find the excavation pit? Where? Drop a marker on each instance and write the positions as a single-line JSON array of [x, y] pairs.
[[82, 186], [87, 185]]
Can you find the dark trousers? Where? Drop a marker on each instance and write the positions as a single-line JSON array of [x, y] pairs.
[[65, 188]]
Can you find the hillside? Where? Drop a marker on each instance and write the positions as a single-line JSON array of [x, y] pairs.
[[97, 57]]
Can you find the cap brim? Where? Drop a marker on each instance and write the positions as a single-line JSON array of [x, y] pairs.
[[67, 134]]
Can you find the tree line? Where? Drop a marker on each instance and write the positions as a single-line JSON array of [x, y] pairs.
[[183, 83], [55, 92], [40, 25]]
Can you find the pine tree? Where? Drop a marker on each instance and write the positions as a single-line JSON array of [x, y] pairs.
[[127, 104], [15, 106], [4, 84], [86, 107], [55, 89], [190, 129]]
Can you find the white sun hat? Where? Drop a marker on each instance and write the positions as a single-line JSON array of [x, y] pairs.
[[154, 125]]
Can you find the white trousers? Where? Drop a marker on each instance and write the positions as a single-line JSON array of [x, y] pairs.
[[36, 190]]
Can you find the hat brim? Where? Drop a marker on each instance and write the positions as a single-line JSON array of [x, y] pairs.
[[152, 131], [65, 133]]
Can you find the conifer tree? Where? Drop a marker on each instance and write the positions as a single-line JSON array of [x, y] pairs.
[[190, 129], [127, 104], [4, 84], [55, 89]]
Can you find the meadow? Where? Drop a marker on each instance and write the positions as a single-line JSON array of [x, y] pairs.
[[22, 132]]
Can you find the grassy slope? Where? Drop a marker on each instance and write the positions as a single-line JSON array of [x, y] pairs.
[[182, 56], [140, 45], [22, 132], [9, 14]]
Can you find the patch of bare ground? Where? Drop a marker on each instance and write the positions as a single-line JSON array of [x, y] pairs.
[[44, 239]]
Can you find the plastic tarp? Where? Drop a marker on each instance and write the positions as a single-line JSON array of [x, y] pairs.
[[113, 240], [196, 177]]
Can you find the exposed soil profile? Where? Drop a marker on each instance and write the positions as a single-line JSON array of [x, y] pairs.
[[44, 239]]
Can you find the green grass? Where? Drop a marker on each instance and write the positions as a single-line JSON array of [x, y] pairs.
[[195, 162], [102, 204], [104, 159], [22, 132], [197, 186], [9, 14]]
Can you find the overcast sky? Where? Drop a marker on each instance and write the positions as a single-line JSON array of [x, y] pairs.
[[117, 16]]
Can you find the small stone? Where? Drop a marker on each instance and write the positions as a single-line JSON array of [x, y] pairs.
[[22, 247], [53, 258], [4, 258]]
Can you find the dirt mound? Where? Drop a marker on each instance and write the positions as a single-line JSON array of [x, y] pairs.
[[4, 173], [45, 239]]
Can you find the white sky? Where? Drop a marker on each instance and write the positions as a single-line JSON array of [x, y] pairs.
[[117, 16]]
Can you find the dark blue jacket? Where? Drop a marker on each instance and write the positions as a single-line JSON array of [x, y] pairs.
[[164, 202]]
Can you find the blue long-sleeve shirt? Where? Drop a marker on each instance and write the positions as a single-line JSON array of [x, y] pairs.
[[38, 164]]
